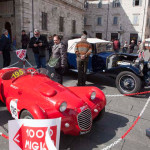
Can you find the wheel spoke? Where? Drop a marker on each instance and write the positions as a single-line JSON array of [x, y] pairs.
[[127, 83]]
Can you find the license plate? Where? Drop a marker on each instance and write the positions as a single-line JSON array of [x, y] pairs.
[[84, 132]]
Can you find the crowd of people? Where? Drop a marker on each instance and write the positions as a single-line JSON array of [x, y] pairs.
[[127, 48], [57, 52]]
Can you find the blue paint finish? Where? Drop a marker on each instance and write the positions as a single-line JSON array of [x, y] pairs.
[[101, 57], [116, 70], [73, 63], [98, 62]]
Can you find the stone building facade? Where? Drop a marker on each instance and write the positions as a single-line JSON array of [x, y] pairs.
[[63, 17], [123, 19]]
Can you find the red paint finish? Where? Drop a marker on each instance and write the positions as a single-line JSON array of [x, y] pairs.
[[42, 97]]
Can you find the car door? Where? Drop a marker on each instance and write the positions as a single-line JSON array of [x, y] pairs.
[[98, 60]]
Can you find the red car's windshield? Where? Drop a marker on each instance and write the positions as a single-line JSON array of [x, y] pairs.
[[14, 74]]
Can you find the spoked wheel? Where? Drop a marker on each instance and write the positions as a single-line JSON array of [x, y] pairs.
[[127, 82]]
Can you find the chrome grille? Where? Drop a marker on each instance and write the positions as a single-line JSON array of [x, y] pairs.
[[85, 119]]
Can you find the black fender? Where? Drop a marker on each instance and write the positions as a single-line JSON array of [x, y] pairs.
[[117, 70]]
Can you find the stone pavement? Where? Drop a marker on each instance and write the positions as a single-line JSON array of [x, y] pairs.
[[121, 112]]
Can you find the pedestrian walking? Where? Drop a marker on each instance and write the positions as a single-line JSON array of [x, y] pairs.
[[38, 43], [131, 46], [58, 60], [25, 41], [5, 48], [50, 44], [125, 47], [82, 50], [116, 45]]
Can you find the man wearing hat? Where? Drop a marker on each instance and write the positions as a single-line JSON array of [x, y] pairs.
[[38, 43], [5, 47]]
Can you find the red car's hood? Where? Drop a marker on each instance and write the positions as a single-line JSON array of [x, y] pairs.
[[44, 91], [57, 93]]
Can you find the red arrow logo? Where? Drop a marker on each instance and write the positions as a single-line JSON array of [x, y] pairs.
[[34, 137], [18, 137]]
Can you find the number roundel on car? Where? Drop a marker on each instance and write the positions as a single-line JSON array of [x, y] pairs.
[[18, 73], [13, 108]]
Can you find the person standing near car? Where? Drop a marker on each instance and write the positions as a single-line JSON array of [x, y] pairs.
[[38, 43], [82, 50], [50, 44], [59, 55], [5, 48], [131, 46], [125, 47], [116, 45], [25, 41]]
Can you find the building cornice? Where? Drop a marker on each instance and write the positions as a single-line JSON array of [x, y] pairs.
[[73, 3]]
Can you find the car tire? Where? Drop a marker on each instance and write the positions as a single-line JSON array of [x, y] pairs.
[[127, 82], [26, 115], [100, 115]]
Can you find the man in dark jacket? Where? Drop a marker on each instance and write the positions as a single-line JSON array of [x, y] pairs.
[[131, 46], [5, 47], [59, 51], [25, 41], [38, 43]]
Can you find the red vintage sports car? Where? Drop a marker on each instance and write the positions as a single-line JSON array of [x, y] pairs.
[[30, 94]]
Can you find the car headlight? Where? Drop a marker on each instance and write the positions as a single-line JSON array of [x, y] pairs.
[[141, 66], [93, 95], [148, 65], [63, 107]]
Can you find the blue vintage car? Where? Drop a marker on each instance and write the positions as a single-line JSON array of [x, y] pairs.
[[130, 72]]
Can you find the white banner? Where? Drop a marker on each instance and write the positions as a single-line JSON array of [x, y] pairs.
[[34, 134]]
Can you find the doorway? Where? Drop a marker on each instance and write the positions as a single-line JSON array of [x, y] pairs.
[[99, 35], [134, 37], [114, 36], [8, 27]]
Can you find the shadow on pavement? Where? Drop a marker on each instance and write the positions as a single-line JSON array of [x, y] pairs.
[[4, 116], [102, 131], [90, 78], [99, 80]]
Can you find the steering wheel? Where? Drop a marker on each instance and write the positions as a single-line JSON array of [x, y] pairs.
[[31, 70]]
